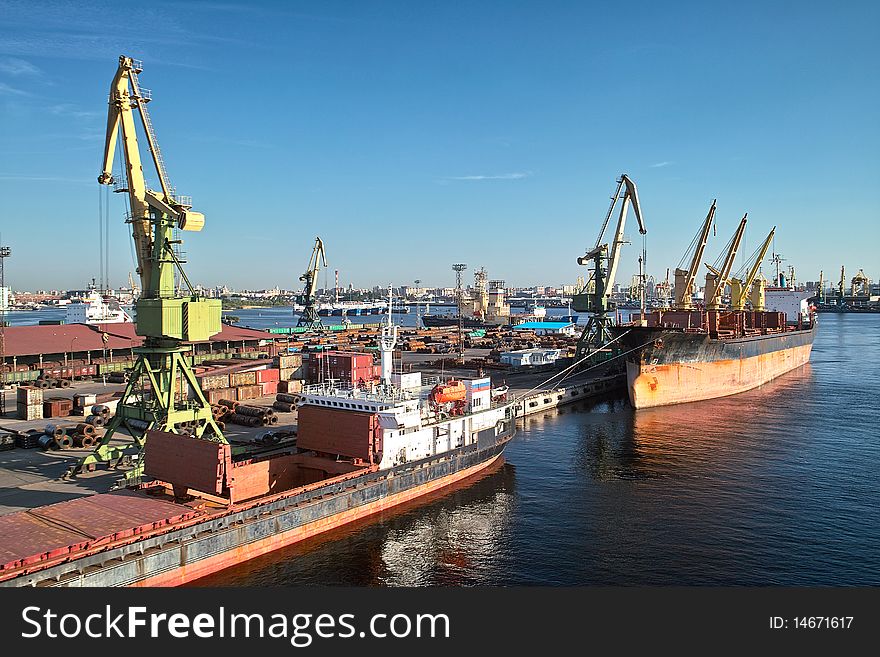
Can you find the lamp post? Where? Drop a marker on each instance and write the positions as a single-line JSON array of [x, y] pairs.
[[74, 339], [5, 252], [418, 284]]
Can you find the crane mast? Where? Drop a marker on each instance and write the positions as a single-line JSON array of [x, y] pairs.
[[739, 288], [684, 278], [309, 317], [595, 297], [716, 279], [162, 392]]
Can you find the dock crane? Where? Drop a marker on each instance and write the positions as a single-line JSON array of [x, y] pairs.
[[840, 286], [684, 278], [739, 287], [717, 279], [595, 296], [309, 317], [162, 392]]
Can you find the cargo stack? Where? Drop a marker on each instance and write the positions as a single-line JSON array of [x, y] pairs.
[[57, 407], [344, 366], [29, 403], [290, 367]]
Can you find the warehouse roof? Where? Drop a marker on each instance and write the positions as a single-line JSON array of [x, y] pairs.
[[64, 338]]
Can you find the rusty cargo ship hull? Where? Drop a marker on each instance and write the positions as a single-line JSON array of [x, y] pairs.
[[675, 364], [147, 538]]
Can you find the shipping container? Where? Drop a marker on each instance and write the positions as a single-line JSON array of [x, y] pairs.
[[249, 392], [237, 379], [214, 381], [214, 396], [29, 411], [269, 387], [29, 396], [267, 375]]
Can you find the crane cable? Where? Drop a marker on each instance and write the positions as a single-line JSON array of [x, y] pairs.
[[575, 364]]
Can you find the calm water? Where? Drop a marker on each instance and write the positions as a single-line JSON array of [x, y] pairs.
[[774, 486]]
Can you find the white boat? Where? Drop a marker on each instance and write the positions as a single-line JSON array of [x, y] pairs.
[[95, 309]]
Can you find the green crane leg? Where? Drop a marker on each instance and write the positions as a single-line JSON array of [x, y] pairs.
[[161, 394]]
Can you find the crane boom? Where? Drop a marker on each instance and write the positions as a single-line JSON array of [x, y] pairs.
[[631, 195], [739, 289], [309, 316], [684, 278], [595, 297], [716, 279], [125, 94]]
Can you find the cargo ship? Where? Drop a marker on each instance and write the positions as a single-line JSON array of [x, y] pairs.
[[678, 356], [452, 320], [358, 453]]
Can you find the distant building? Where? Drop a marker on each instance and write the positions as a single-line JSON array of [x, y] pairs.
[[530, 357], [548, 328]]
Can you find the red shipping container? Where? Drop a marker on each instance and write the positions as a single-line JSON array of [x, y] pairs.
[[269, 388], [347, 433], [265, 376]]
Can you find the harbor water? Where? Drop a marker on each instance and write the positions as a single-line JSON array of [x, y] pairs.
[[775, 486]]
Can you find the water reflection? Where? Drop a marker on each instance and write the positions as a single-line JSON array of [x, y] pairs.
[[450, 538]]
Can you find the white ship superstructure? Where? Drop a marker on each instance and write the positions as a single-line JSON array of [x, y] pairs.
[[415, 426], [94, 309]]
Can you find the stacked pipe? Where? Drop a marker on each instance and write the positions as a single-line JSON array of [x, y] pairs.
[[285, 403], [56, 436], [252, 416]]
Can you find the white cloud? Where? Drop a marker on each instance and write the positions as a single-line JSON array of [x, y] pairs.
[[501, 176], [15, 66], [12, 91], [660, 164]]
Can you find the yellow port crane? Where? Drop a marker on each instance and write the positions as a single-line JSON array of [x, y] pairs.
[[162, 392], [684, 278], [309, 317], [717, 279], [739, 287]]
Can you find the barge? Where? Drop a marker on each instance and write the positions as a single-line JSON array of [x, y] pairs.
[[358, 453]]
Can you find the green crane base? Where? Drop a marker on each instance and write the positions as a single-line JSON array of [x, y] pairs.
[[162, 394]]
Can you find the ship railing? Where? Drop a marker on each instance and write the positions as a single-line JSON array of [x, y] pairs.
[[335, 388]]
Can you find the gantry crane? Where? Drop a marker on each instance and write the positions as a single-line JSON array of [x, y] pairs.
[[595, 297], [309, 317], [162, 392], [739, 287], [717, 279], [684, 278]]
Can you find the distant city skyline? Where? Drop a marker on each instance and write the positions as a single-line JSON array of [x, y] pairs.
[[410, 137]]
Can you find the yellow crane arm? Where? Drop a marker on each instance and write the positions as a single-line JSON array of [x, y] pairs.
[[739, 289], [755, 267], [119, 116], [718, 278], [310, 277], [684, 278]]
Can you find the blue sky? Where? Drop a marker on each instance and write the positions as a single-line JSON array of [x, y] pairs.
[[411, 135]]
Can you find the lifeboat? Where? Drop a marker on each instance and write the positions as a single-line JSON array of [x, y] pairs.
[[444, 393]]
